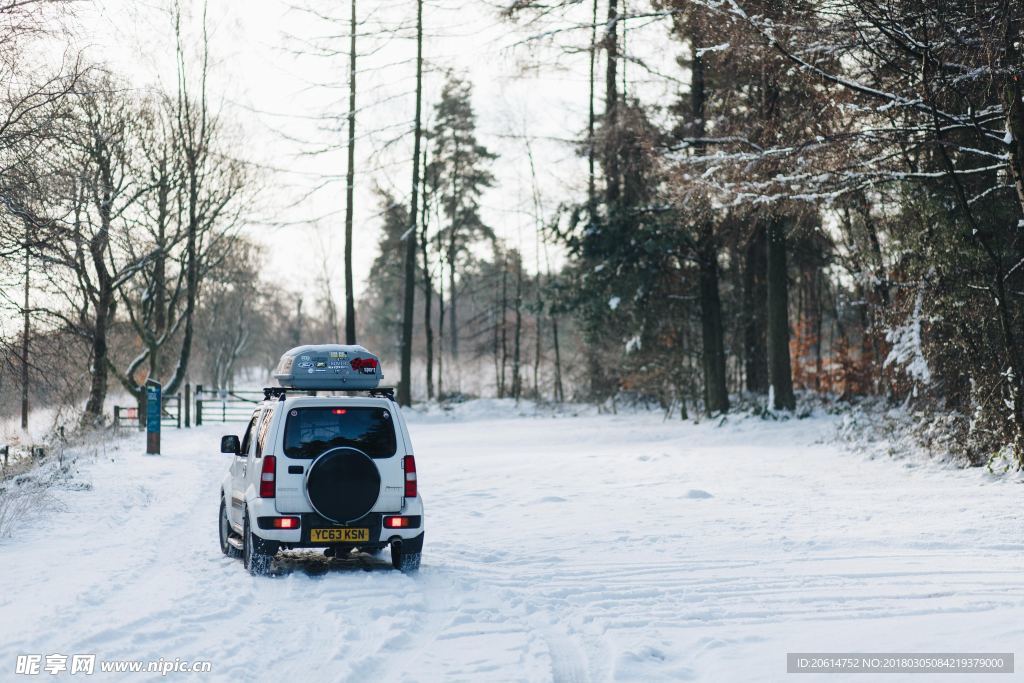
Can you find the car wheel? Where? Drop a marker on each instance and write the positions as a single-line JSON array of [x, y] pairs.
[[256, 555], [225, 532], [407, 563]]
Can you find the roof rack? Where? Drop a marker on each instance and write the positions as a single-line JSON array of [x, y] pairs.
[[281, 392]]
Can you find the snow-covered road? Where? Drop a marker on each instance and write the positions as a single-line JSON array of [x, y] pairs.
[[587, 548]]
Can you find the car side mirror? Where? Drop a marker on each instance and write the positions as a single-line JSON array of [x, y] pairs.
[[230, 444]]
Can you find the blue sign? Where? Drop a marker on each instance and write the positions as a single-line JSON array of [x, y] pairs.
[[152, 416]]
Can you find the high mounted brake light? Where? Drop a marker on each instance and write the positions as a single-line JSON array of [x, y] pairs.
[[268, 476], [409, 465]]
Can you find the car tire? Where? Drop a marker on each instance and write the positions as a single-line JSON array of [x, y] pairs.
[[407, 563], [256, 555], [224, 527]]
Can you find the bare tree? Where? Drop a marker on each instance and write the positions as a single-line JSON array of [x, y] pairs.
[[350, 301], [33, 98], [90, 251], [409, 294]]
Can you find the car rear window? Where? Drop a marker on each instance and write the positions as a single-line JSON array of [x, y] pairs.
[[311, 431]]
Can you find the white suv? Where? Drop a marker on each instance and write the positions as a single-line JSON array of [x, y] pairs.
[[331, 472]]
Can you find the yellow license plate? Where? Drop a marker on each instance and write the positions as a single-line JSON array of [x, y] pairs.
[[339, 535]]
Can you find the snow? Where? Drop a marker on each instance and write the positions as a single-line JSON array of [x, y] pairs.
[[906, 344], [721, 47], [562, 545]]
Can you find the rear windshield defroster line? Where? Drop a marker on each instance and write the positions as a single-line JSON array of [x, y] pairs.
[[309, 432]]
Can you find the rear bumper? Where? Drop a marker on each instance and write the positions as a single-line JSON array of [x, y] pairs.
[[373, 522]]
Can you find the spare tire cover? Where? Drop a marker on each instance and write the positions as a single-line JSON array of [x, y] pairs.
[[343, 484]]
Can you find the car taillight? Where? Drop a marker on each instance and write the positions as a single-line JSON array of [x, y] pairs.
[[367, 366], [267, 476], [397, 522], [286, 522], [409, 465]]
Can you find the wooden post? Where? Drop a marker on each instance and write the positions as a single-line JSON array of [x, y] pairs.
[[199, 405], [188, 405]]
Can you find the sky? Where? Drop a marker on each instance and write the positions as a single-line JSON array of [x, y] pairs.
[[287, 106]]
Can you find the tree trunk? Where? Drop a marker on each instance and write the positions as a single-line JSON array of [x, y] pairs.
[[453, 326], [496, 338], [350, 301], [195, 141], [191, 282], [104, 306], [559, 389], [818, 313], [504, 321], [754, 322], [160, 317], [25, 334], [405, 387], [297, 330], [537, 337], [716, 393], [428, 289], [592, 120], [440, 320], [517, 382], [140, 410], [611, 152], [779, 370], [98, 380], [1013, 97]]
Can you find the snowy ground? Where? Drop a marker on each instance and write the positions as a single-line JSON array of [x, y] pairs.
[[587, 548]]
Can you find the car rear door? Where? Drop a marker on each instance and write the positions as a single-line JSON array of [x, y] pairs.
[[239, 466], [291, 471]]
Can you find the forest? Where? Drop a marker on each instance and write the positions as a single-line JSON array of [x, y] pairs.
[[829, 203]]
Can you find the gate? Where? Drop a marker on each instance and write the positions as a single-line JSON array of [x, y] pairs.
[[224, 405]]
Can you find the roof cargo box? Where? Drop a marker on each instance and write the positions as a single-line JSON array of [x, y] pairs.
[[329, 367]]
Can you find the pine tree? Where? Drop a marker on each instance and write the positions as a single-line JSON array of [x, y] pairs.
[[459, 171], [386, 277]]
